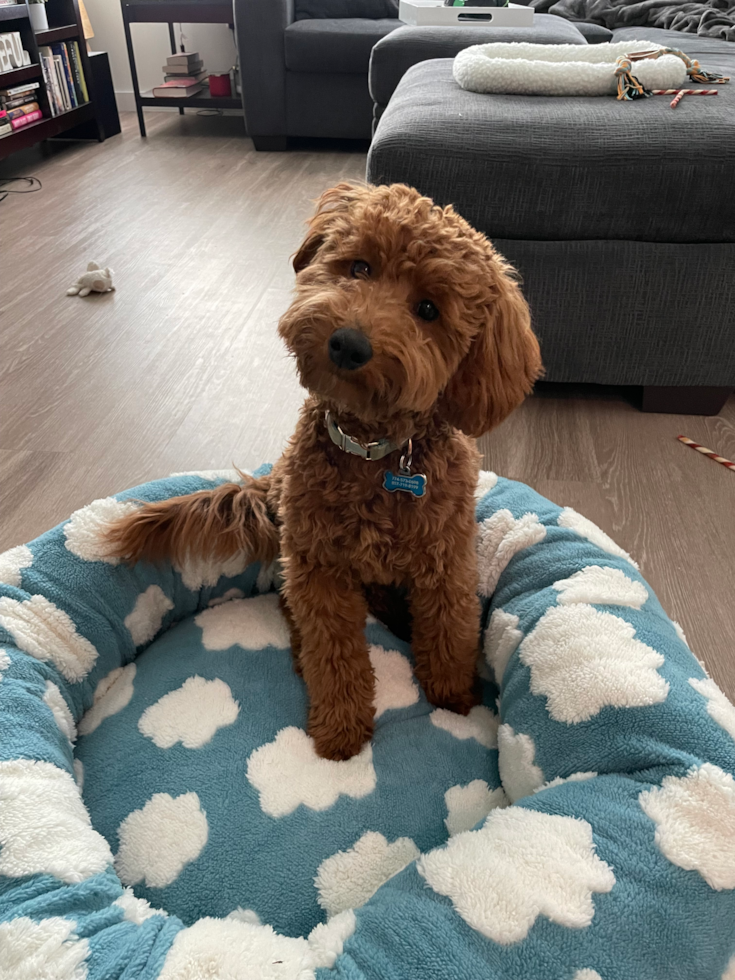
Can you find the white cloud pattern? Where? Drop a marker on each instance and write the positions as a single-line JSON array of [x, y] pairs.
[[394, 683], [248, 623], [480, 724], [486, 481], [586, 529], [196, 573], [13, 562], [45, 632], [54, 700], [136, 910], [519, 774], [695, 822], [159, 840], [502, 536], [45, 950], [147, 616], [502, 637], [467, 805], [85, 529], [244, 950], [288, 773], [112, 694], [521, 864], [601, 585], [190, 715], [583, 659], [44, 826], [718, 706], [575, 777], [347, 879]]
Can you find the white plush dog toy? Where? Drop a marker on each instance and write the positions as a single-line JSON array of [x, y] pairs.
[[95, 279]]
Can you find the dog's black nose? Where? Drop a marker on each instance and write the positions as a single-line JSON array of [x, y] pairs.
[[349, 349]]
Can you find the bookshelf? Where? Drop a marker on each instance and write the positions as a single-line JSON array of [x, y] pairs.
[[65, 24]]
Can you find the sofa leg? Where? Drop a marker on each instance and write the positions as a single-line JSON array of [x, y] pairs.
[[270, 144], [675, 400]]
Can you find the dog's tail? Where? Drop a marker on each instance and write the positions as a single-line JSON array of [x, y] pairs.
[[233, 518]]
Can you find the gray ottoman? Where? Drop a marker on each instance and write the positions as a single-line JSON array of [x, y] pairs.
[[619, 216]]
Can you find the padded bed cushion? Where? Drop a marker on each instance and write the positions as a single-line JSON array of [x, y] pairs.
[[163, 813]]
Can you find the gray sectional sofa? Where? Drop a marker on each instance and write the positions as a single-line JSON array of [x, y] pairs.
[[304, 63], [620, 216]]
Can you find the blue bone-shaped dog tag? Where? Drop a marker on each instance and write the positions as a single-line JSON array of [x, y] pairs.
[[415, 484]]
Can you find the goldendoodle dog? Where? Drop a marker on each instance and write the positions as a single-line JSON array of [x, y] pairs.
[[411, 335]]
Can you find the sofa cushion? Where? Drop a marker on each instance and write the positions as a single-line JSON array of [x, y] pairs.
[[709, 51], [329, 45], [548, 169], [594, 33], [395, 54], [370, 9]]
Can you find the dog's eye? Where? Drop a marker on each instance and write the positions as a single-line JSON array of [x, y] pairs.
[[426, 310], [360, 270]]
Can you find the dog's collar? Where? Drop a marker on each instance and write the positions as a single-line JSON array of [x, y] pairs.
[[371, 451]]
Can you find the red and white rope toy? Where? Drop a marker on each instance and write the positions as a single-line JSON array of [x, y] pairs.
[[679, 93], [707, 452]]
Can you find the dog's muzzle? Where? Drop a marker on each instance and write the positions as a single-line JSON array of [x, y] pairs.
[[349, 349]]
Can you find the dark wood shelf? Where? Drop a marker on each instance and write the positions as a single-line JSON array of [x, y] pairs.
[[14, 11], [54, 34], [179, 11], [8, 79], [46, 128], [82, 123], [204, 100], [172, 12]]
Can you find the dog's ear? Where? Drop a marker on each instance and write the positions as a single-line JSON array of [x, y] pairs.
[[333, 204], [501, 365]]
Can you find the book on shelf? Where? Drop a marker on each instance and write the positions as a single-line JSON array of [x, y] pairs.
[[23, 110], [79, 80], [199, 76], [18, 100], [185, 70], [18, 90], [63, 75], [60, 51], [26, 120], [5, 126], [183, 58], [182, 89]]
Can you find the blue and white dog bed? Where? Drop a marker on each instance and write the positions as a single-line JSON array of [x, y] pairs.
[[163, 813]]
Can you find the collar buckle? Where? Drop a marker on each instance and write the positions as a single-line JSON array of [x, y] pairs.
[[371, 451]]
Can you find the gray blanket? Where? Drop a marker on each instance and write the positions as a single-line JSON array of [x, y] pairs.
[[712, 18]]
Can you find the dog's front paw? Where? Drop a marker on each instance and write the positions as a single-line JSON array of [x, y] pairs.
[[339, 738], [442, 695]]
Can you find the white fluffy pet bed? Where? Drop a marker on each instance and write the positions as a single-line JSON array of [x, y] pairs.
[[561, 69]]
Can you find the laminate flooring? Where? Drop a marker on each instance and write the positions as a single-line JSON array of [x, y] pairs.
[[181, 368]]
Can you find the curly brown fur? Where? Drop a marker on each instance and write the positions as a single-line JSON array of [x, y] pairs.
[[437, 382], [219, 523]]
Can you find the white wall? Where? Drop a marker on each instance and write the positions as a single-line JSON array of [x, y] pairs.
[[214, 42]]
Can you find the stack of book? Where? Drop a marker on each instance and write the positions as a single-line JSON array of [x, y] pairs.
[[183, 75], [19, 107], [64, 76]]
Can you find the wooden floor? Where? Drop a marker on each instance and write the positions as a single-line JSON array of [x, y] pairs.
[[181, 368]]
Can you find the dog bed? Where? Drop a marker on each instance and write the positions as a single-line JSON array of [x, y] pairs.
[[163, 814]]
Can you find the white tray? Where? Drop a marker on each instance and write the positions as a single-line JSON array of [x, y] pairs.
[[425, 13]]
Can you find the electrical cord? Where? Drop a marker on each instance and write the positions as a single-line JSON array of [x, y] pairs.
[[32, 184]]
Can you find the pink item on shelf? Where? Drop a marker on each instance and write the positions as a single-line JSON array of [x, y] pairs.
[[27, 119]]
